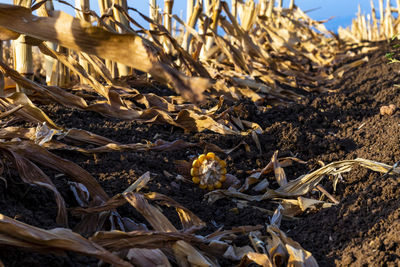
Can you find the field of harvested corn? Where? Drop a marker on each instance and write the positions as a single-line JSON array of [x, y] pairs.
[[246, 135]]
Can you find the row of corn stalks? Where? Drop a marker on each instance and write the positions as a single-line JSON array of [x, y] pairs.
[[372, 27], [283, 47]]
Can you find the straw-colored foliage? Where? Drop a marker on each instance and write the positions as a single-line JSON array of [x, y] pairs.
[[257, 51], [371, 28]]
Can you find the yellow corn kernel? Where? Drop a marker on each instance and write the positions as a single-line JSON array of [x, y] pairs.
[[201, 158], [217, 184], [196, 163], [223, 171], [222, 178], [222, 163], [203, 186], [210, 155], [194, 171], [196, 179], [210, 187]]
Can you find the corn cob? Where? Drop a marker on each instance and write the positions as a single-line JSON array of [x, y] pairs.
[[208, 171]]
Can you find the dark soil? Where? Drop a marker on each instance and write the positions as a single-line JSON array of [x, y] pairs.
[[363, 229]]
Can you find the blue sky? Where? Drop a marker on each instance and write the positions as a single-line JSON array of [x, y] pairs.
[[342, 10]]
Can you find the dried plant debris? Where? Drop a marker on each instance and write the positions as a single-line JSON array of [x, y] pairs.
[[299, 187], [106, 64], [296, 56], [22, 235]]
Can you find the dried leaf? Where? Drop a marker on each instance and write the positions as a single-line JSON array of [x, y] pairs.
[[258, 258], [188, 218], [41, 156], [297, 256], [112, 203], [304, 184], [147, 257], [118, 240], [237, 253], [6, 34], [184, 252], [52, 92], [280, 175], [29, 111], [11, 111], [74, 65], [139, 183], [32, 174], [15, 233], [81, 193]]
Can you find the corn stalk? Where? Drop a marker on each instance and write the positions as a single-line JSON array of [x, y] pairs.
[[123, 70], [271, 5], [23, 60], [168, 4], [388, 20], [291, 4], [398, 7], [375, 28], [381, 16], [280, 4], [45, 11], [216, 10], [83, 5], [104, 6], [234, 8], [153, 11], [189, 9], [62, 73], [263, 8], [1, 74], [194, 16]]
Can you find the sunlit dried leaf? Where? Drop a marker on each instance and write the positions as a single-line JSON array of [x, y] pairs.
[[296, 254], [6, 34], [304, 184], [11, 111], [52, 92], [74, 65], [280, 175], [184, 252], [188, 218], [15, 233], [8, 133], [294, 207], [29, 111], [139, 183], [258, 258]]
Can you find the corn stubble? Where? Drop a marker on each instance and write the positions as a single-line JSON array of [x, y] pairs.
[[257, 51]]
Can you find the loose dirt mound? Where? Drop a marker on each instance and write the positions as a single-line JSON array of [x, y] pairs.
[[363, 228]]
